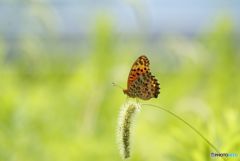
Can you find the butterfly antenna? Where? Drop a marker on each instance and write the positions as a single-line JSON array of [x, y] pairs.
[[116, 85]]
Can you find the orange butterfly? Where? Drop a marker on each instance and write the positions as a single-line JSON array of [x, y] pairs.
[[141, 83]]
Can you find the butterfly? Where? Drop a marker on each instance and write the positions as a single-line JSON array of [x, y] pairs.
[[141, 83]]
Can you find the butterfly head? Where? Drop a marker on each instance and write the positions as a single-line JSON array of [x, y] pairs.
[[125, 91]]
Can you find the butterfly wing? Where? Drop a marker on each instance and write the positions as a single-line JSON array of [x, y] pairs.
[[149, 87], [145, 87], [140, 66], [141, 83]]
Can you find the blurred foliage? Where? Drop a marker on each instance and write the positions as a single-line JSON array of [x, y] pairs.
[[61, 106]]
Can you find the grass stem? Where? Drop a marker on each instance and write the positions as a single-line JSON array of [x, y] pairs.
[[189, 125]]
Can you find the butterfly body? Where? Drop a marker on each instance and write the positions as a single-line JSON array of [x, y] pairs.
[[141, 83]]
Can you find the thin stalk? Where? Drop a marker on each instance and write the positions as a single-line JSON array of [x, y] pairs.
[[189, 125]]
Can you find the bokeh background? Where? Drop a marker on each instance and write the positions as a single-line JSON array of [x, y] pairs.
[[58, 59]]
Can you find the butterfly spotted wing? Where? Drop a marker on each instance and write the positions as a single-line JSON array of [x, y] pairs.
[[141, 83]]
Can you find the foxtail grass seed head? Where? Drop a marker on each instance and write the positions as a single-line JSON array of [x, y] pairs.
[[126, 118]]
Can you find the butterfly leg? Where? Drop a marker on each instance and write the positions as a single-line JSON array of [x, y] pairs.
[[126, 100], [137, 101]]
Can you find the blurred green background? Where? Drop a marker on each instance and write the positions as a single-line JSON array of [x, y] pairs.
[[57, 101]]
